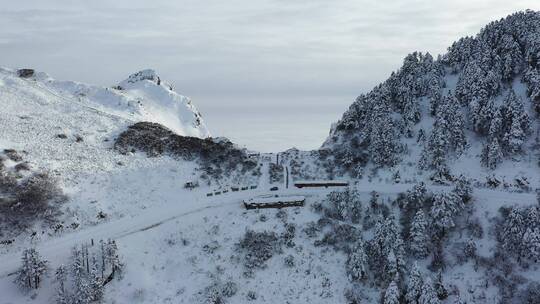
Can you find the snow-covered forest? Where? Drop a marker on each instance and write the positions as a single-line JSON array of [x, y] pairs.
[[426, 191]]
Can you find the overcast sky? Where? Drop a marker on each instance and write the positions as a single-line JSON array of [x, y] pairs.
[[269, 74]]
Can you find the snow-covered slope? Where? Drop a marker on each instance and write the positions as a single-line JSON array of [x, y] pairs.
[[473, 111], [143, 96]]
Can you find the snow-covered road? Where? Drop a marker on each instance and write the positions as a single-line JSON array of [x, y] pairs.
[[115, 229], [56, 249]]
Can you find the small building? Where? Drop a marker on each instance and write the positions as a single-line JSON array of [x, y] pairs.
[[254, 155], [274, 201], [320, 184]]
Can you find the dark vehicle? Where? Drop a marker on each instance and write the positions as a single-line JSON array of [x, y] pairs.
[[274, 188], [191, 185]]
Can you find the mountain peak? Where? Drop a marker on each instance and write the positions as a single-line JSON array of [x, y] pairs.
[[143, 75]]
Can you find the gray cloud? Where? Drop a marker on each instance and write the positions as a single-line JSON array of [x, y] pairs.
[[267, 54]]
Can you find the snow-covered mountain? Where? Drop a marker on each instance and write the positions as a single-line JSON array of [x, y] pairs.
[[143, 96], [473, 111], [106, 182]]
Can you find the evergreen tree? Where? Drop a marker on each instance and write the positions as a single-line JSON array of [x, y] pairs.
[[411, 115], [82, 291], [440, 290], [532, 78], [96, 283], [357, 262], [384, 142], [517, 125], [451, 118], [434, 155], [419, 238], [32, 269], [113, 259], [428, 294], [463, 189], [492, 154], [414, 286], [391, 265], [514, 138], [512, 231], [391, 296], [61, 275], [386, 250], [445, 207], [495, 126]]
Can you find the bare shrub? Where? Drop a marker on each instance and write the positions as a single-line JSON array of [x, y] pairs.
[[35, 198], [13, 155], [218, 292]]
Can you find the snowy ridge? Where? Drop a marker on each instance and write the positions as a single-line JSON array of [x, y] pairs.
[[141, 97]]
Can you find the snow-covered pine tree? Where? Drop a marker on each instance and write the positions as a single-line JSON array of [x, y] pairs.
[[421, 138], [82, 292], [492, 154], [411, 115], [516, 123], [484, 117], [531, 244], [532, 78], [384, 141], [357, 262], [391, 296], [113, 259], [440, 290], [61, 275], [32, 269], [103, 255], [453, 121], [24, 274], [434, 155], [514, 138], [428, 294], [463, 189], [386, 250], [512, 231], [514, 109], [95, 281], [445, 207], [414, 285], [391, 266], [415, 197], [419, 236]]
